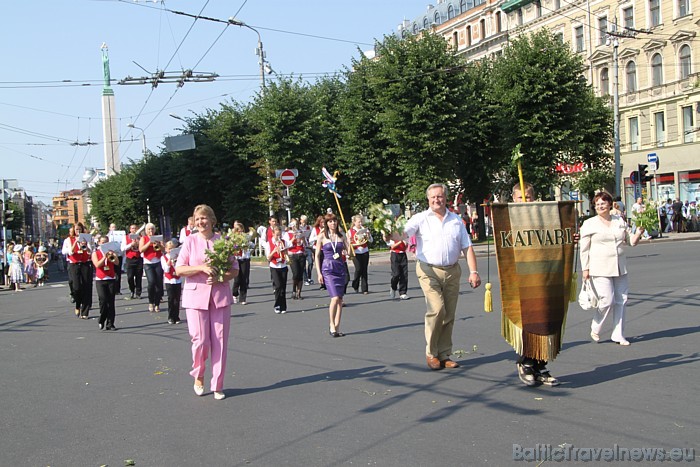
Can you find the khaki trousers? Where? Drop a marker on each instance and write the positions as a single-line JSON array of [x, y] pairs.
[[441, 289]]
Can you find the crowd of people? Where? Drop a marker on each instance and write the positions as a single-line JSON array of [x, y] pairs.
[[180, 268]]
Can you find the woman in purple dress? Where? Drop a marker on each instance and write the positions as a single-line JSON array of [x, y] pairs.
[[331, 269]]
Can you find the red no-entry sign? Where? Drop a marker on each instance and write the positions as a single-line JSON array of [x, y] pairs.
[[287, 177]]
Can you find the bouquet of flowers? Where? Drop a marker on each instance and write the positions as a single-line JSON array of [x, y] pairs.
[[384, 221], [223, 251]]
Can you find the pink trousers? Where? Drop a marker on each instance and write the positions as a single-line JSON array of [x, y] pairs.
[[209, 331]]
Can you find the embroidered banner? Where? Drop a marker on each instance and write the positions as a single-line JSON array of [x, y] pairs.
[[535, 253]]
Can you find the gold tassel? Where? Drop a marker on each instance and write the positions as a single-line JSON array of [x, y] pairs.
[[488, 300], [573, 296]]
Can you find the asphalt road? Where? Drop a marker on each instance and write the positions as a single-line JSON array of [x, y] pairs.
[[75, 396]]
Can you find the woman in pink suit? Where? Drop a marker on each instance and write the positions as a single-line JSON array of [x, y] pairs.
[[207, 302]]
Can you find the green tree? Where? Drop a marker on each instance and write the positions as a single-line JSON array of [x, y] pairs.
[[544, 103], [119, 198]]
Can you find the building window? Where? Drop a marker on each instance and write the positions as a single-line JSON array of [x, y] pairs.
[[660, 128], [683, 7], [602, 30], [631, 73], [499, 25], [455, 39], [578, 35], [634, 133], [538, 8], [463, 6], [688, 125], [482, 28], [468, 33], [559, 36], [426, 24], [451, 12], [628, 17], [654, 13], [520, 16], [684, 61], [415, 28], [437, 17], [604, 82], [657, 71], [557, 4]]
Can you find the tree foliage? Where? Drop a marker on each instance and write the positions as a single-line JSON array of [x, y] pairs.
[[414, 115]]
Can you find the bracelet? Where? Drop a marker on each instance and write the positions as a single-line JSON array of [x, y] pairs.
[[474, 272]]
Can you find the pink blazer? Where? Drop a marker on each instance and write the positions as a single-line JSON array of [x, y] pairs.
[[196, 294]]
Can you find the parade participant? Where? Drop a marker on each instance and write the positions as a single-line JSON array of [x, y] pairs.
[[331, 252], [441, 238], [188, 230], [173, 283], [41, 260], [113, 237], [276, 251], [134, 262], [360, 243], [603, 260], [297, 257], [305, 229], [77, 253], [530, 370], [16, 269], [316, 230], [151, 252], [105, 280], [399, 266], [242, 280], [207, 302]]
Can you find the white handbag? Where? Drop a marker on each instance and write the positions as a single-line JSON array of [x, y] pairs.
[[587, 298]]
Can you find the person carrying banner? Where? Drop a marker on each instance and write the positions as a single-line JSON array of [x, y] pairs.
[[532, 371], [441, 239]]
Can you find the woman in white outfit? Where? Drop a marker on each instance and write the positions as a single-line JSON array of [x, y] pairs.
[[603, 260]]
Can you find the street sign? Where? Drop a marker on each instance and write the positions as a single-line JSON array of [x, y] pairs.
[[652, 157], [633, 176], [652, 166], [287, 177]]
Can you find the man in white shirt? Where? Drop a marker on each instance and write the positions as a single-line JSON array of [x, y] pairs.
[[441, 239], [187, 230]]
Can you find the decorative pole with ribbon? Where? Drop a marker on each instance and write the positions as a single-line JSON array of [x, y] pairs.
[[329, 182]]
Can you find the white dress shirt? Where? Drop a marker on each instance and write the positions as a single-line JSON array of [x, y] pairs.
[[438, 243]]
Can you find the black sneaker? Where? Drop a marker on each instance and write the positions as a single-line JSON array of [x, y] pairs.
[[526, 374], [101, 326], [171, 321], [545, 378]]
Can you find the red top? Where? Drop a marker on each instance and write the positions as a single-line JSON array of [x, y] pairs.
[[77, 257], [276, 256], [134, 252], [150, 254], [297, 244], [106, 272], [399, 247], [170, 274]]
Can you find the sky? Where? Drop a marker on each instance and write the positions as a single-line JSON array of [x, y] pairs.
[[52, 79]]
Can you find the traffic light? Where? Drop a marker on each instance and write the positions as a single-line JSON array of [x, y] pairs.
[[642, 176], [7, 216]]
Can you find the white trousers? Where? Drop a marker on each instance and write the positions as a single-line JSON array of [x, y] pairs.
[[612, 295]]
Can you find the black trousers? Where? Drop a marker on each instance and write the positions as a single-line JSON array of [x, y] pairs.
[[399, 272], [174, 294], [105, 293], [134, 274], [154, 274], [297, 263], [361, 262], [80, 279], [242, 280], [279, 284], [118, 272]]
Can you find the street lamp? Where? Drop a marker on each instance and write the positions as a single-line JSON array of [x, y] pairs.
[[143, 136], [177, 117]]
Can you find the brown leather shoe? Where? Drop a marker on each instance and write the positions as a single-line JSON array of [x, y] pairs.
[[447, 363], [433, 363]]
